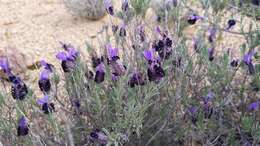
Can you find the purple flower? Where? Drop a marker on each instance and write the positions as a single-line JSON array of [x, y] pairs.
[[99, 136], [112, 53], [19, 89], [44, 81], [45, 105], [255, 106], [207, 109], [155, 72], [136, 79], [122, 30], [114, 28], [68, 58], [163, 47], [212, 34], [248, 61], [208, 98], [248, 57], [149, 55], [141, 32], [118, 68], [100, 73], [192, 112], [211, 54], [125, 5], [23, 127], [66, 64], [192, 19], [109, 7]]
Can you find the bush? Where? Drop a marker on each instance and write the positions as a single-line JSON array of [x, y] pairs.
[[147, 86]]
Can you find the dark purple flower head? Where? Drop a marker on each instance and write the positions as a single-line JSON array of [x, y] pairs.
[[136, 79], [141, 32], [19, 89], [109, 7], [155, 72], [192, 19], [122, 30], [97, 60], [125, 5], [76, 103], [192, 112], [114, 28], [254, 106], [100, 73], [99, 136], [255, 2], [211, 54], [44, 81], [234, 63], [230, 23], [212, 34], [208, 98], [23, 127]]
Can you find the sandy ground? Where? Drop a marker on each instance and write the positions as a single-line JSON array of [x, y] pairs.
[[35, 27]]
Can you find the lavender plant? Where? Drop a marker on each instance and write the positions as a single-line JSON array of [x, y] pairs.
[[146, 85]]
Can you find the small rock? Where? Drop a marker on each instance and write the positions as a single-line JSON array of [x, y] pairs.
[[90, 9], [18, 61]]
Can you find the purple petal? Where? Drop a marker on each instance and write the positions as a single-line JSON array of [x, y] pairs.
[[4, 64], [208, 98], [254, 106], [73, 52], [158, 30], [112, 52], [45, 74], [43, 63], [22, 122], [248, 57], [192, 109], [62, 56], [100, 67], [107, 3], [148, 54], [43, 100]]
